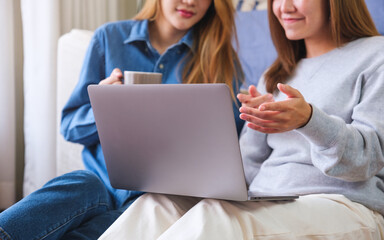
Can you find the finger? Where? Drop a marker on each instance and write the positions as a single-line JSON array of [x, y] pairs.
[[106, 81], [247, 100], [255, 120], [273, 106], [257, 101], [262, 129], [253, 91], [253, 112], [243, 98], [254, 102], [246, 95], [110, 80], [116, 76], [279, 121], [289, 91]]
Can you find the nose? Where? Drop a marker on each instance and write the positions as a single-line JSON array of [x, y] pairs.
[[189, 2], [287, 6]]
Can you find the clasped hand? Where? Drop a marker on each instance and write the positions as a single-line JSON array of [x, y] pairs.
[[266, 115]]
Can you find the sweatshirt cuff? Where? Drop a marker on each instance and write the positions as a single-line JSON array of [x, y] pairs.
[[322, 129]]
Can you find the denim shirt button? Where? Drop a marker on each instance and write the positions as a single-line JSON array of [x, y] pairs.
[[161, 66]]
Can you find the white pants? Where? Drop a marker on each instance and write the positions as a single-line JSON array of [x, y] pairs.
[[321, 216]]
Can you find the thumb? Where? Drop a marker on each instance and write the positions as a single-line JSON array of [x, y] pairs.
[[289, 91], [116, 73]]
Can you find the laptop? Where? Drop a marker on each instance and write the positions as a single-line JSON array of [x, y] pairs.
[[177, 139]]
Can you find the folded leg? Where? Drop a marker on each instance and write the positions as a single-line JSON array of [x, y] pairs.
[[149, 216], [310, 217], [62, 205]]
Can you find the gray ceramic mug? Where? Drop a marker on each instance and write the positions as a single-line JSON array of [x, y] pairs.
[[132, 77]]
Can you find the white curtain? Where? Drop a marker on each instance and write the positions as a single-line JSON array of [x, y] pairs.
[[7, 104], [89, 14], [41, 32], [44, 21]]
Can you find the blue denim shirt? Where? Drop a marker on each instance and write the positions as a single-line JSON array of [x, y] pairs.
[[124, 45]]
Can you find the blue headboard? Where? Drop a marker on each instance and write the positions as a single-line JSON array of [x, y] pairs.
[[256, 50], [376, 8]]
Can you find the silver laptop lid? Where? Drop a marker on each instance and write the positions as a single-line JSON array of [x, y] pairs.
[[170, 138]]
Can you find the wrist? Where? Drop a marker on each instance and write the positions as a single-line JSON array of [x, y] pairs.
[[309, 117]]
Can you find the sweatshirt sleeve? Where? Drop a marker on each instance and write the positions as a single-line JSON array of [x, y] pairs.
[[355, 151], [78, 122]]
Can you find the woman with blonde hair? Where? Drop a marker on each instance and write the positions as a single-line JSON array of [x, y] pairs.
[[188, 41], [315, 128]]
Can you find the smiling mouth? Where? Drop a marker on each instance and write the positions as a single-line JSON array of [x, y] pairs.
[[292, 20]]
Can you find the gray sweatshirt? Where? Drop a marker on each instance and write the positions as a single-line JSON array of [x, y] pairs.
[[341, 149]]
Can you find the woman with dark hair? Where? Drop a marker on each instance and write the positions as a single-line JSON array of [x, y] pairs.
[[188, 41], [315, 127]]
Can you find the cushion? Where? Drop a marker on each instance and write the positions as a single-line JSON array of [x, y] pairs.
[[256, 50], [71, 51], [376, 8]]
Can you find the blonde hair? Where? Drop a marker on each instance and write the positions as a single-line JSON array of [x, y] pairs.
[[214, 59], [349, 20]]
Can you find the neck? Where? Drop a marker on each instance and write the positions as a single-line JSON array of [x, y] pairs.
[[162, 36], [316, 49], [320, 44]]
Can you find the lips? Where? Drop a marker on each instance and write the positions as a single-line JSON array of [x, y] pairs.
[[292, 20], [185, 13]]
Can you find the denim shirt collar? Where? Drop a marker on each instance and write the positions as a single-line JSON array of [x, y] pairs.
[[140, 32]]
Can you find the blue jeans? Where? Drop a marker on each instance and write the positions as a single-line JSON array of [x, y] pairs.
[[76, 205]]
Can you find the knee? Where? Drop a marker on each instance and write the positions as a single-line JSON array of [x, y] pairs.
[[86, 179], [79, 180], [153, 198], [208, 202], [211, 205], [166, 201], [83, 176]]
